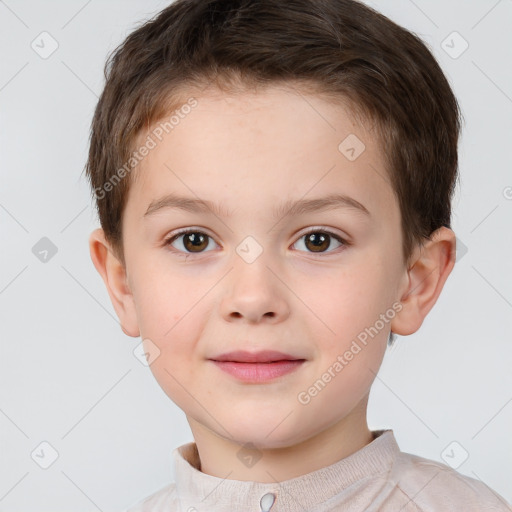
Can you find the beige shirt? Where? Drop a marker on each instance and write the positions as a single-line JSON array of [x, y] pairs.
[[378, 477]]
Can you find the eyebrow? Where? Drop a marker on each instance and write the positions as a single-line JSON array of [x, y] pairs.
[[287, 209]]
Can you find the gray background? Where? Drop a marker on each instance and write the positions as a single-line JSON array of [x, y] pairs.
[[68, 375]]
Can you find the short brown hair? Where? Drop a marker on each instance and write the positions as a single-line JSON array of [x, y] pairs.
[[341, 48]]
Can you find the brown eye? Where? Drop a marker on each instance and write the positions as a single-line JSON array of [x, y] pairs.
[[195, 242], [191, 241], [319, 241]]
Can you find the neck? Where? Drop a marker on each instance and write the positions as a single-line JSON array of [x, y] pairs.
[[225, 458]]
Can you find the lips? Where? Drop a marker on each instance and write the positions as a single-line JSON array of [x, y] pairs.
[[257, 367], [263, 356]]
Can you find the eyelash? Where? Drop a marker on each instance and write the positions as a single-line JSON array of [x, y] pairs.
[[186, 231]]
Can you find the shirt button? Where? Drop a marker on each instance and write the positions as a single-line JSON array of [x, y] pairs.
[[266, 502]]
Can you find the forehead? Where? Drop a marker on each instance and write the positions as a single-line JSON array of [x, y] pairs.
[[256, 148]]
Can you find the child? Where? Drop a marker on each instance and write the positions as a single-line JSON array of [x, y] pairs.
[[273, 181]]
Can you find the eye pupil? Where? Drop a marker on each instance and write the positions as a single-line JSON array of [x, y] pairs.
[[318, 240], [197, 240]]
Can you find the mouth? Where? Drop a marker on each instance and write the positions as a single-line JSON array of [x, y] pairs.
[[257, 366]]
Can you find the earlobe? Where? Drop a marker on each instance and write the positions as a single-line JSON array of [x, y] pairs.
[[113, 274], [432, 264]]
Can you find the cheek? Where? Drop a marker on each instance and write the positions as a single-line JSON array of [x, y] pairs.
[[166, 303], [345, 301], [175, 334], [173, 379]]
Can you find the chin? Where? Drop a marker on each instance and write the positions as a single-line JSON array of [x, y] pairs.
[[265, 433]]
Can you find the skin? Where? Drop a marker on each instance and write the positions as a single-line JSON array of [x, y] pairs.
[[251, 151]]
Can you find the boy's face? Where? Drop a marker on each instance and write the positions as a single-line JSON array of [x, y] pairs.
[[254, 281]]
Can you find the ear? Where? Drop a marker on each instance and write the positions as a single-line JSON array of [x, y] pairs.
[[114, 276], [424, 280]]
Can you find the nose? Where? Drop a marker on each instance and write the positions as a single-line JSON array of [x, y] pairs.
[[254, 293]]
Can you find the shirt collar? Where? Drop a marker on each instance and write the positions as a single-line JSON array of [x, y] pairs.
[[199, 491]]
